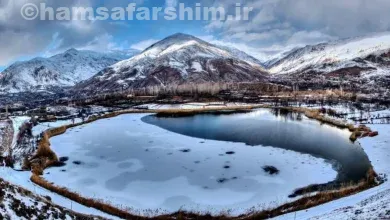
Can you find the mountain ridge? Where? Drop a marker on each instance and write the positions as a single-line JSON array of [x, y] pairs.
[[338, 54], [182, 58], [60, 70], [177, 59]]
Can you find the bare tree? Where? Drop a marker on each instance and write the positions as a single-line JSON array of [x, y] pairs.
[[6, 142]]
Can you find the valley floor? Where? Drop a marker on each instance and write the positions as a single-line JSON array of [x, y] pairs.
[[370, 204]]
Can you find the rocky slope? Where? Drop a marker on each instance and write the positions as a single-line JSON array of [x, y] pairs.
[[358, 63], [178, 59], [62, 70], [331, 56]]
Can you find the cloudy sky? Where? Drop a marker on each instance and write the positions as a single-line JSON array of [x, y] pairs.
[[274, 26]]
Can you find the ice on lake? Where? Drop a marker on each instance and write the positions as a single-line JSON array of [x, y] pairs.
[[137, 165]]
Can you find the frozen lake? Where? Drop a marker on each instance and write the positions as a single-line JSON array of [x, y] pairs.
[[204, 162], [277, 128]]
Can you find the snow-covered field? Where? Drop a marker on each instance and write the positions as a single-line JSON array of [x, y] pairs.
[[370, 204], [18, 203], [22, 179], [41, 127]]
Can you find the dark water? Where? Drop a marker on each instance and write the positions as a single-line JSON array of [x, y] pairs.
[[286, 130]]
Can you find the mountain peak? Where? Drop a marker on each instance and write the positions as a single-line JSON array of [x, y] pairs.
[[178, 59], [176, 38], [172, 41], [72, 50], [181, 35]]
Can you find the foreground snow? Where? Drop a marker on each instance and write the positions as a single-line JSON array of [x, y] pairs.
[[22, 179], [20, 204]]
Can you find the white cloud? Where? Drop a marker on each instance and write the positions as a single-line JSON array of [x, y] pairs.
[[142, 45], [291, 23], [309, 37], [262, 54], [103, 43], [274, 26], [13, 45]]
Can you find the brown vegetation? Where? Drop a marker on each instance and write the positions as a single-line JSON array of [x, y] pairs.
[[207, 89], [319, 198], [44, 156]]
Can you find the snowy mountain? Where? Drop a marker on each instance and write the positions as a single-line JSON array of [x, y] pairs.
[[328, 57], [242, 55], [181, 59], [273, 59], [355, 64], [178, 59], [62, 70]]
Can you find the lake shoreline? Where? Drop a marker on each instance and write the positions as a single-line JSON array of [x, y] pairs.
[[47, 158]]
